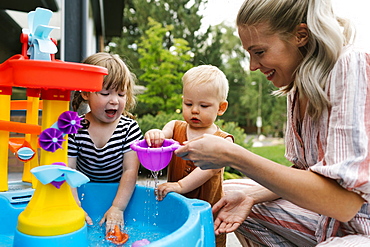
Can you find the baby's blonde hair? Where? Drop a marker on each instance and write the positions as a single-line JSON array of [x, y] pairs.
[[208, 74], [119, 78]]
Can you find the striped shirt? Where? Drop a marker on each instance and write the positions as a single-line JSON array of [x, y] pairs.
[[103, 164], [337, 145]]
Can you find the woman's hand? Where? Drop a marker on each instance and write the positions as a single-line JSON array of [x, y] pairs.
[[114, 216], [207, 151], [231, 211]]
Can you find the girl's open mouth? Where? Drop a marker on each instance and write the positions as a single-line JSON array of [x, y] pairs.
[[111, 113]]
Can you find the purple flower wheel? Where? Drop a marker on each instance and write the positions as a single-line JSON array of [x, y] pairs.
[[51, 139], [69, 122]]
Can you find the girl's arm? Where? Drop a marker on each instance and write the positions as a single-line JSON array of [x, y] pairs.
[[72, 164], [114, 215], [128, 180]]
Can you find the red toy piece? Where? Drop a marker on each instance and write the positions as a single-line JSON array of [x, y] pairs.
[[116, 236]]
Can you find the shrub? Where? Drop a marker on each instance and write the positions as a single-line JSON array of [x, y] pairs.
[[148, 122]]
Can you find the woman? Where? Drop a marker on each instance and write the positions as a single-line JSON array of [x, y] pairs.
[[302, 48]]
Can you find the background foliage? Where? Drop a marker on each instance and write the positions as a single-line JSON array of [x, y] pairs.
[[162, 39]]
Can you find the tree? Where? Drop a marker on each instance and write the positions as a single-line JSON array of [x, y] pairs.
[[163, 69], [183, 15]]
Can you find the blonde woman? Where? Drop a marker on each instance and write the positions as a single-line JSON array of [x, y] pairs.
[[322, 200]]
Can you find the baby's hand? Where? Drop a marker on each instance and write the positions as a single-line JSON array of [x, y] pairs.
[[163, 189], [114, 216], [154, 138]]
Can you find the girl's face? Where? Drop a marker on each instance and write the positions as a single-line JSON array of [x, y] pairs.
[[106, 105], [276, 58], [200, 106]]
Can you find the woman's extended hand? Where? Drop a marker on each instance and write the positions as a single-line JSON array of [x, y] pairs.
[[114, 216], [231, 211], [207, 151]]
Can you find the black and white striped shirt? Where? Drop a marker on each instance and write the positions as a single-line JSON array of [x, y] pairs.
[[103, 164]]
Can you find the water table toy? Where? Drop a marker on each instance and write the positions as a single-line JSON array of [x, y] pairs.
[[52, 216], [40, 210], [37, 70], [155, 159]]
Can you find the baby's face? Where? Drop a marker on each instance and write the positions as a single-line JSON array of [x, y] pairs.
[[200, 105]]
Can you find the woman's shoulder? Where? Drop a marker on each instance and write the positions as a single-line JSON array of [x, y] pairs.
[[351, 52], [352, 60]]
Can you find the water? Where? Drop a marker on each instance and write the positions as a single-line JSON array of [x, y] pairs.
[[135, 229], [155, 175]]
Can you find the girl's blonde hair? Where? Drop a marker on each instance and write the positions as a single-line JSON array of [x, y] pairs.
[[327, 36], [119, 78], [208, 74]]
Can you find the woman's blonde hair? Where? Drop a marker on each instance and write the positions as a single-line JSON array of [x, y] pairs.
[[208, 74], [119, 78], [327, 36]]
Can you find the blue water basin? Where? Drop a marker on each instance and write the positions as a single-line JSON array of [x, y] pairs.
[[175, 221]]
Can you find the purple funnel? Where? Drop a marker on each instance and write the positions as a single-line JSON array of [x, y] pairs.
[[51, 139], [155, 159], [69, 122]]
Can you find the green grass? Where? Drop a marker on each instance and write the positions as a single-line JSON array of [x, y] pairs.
[[274, 153]]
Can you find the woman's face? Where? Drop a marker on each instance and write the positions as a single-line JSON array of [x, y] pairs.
[[276, 58]]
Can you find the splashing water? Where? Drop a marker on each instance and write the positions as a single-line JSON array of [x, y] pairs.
[[135, 229]]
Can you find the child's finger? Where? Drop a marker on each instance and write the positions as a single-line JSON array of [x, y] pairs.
[[88, 220]]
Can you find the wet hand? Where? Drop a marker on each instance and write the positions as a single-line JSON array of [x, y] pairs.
[[88, 219], [114, 216], [154, 138], [163, 189]]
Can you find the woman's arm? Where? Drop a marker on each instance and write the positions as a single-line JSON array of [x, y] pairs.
[[304, 188]]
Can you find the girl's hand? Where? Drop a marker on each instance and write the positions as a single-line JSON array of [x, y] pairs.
[[163, 189], [88, 219], [154, 138], [114, 216]]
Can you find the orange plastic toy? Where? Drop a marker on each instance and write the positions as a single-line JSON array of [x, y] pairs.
[[116, 236]]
